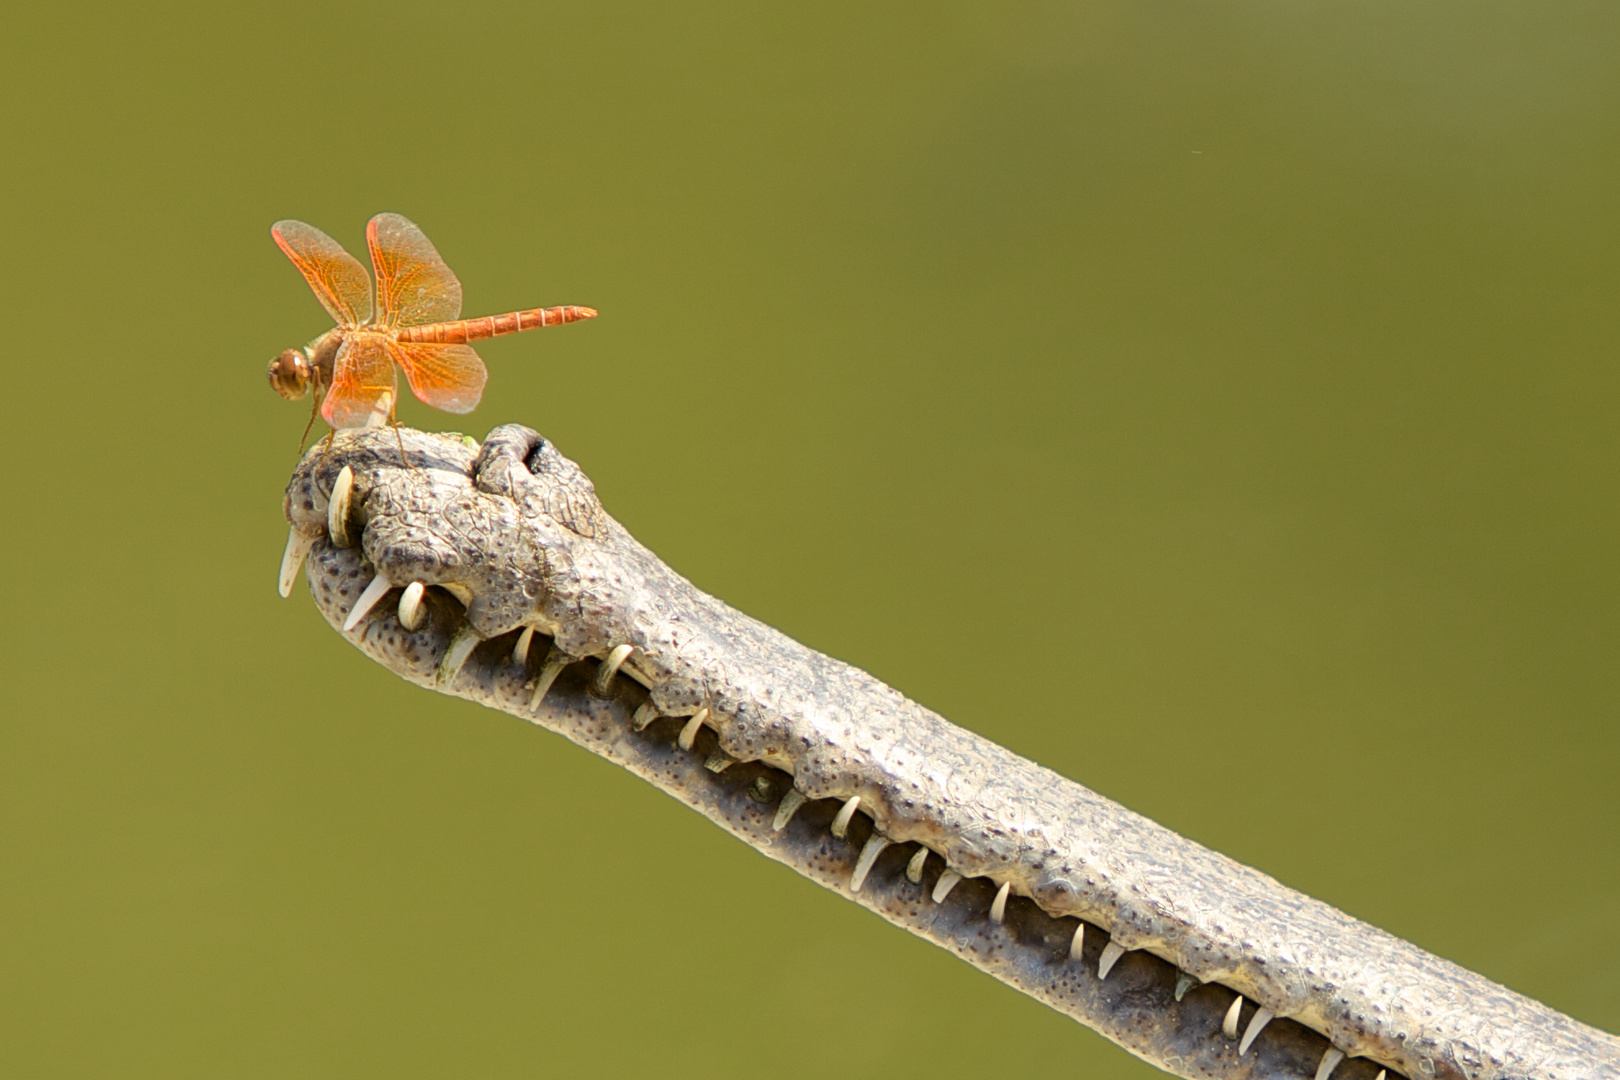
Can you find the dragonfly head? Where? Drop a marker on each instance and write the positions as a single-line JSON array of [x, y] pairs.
[[290, 374]]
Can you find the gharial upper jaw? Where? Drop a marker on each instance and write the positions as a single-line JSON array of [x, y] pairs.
[[423, 522], [336, 505]]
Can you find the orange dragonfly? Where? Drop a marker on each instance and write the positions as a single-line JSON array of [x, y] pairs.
[[416, 325]]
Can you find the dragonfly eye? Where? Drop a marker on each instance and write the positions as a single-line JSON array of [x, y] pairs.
[[289, 374]]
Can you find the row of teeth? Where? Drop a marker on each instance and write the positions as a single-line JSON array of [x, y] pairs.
[[411, 613], [948, 880]]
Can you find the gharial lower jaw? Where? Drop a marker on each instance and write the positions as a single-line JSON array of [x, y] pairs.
[[613, 697]]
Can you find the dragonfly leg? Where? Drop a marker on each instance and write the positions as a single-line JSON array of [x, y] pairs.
[[394, 420], [327, 448], [314, 411]]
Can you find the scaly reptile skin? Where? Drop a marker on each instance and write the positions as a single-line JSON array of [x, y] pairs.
[[514, 537]]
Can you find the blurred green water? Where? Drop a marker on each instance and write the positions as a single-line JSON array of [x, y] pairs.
[[1254, 362]]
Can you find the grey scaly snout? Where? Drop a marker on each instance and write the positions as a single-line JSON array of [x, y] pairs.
[[493, 573]]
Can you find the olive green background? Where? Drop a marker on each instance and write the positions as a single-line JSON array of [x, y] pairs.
[[1215, 402]]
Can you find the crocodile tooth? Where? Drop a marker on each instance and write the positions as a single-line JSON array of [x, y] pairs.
[[863, 865], [639, 676], [914, 868], [292, 560], [784, 812], [689, 733], [368, 599], [1330, 1061], [1257, 1024], [1078, 942], [455, 655], [610, 666], [1381, 1074], [1229, 1025], [1110, 956], [556, 660], [645, 714], [459, 591], [337, 508], [410, 606], [998, 906], [719, 762], [840, 825], [942, 888], [1184, 983], [520, 651]]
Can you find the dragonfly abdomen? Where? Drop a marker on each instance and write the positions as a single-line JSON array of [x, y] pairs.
[[462, 331]]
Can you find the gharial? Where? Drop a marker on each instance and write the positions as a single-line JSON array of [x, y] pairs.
[[508, 584]]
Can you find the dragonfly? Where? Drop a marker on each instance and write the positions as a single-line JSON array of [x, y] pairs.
[[414, 326]]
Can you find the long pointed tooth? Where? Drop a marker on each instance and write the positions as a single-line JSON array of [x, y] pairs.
[[998, 906], [1257, 1024], [1078, 942], [455, 655], [942, 888], [368, 599], [719, 762], [1381, 1074], [410, 606], [639, 676], [1184, 983], [689, 733], [1330, 1061], [1110, 956], [610, 666], [459, 591], [338, 506], [784, 812], [520, 651], [645, 714], [292, 560], [840, 825], [914, 868], [1229, 1025], [555, 661], [863, 865]]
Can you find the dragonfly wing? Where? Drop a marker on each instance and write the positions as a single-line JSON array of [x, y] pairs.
[[339, 281], [361, 375], [448, 377], [413, 284]]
